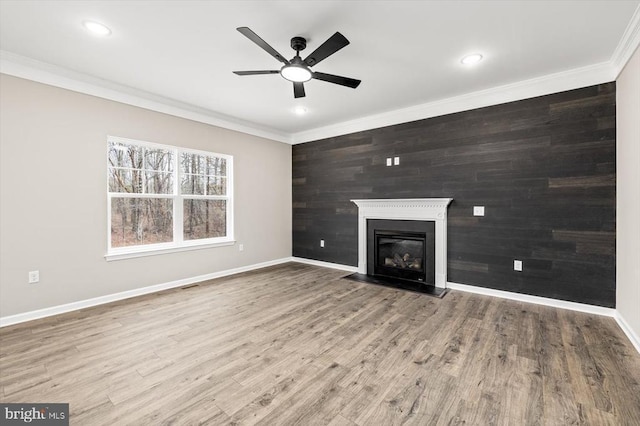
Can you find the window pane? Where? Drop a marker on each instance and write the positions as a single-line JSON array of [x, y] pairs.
[[216, 185], [192, 184], [216, 166], [125, 155], [192, 163], [158, 159], [124, 180], [203, 164], [119, 180], [159, 183], [205, 219], [137, 221]]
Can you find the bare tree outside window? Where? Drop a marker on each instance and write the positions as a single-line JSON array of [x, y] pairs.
[[137, 221], [203, 178], [161, 194], [137, 169]]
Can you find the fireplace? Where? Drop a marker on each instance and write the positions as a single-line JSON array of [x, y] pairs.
[[400, 255], [401, 249], [425, 216]]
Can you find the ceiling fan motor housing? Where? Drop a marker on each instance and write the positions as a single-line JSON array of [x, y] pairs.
[[298, 43]]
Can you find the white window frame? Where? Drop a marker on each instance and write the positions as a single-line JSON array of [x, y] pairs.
[[178, 244]]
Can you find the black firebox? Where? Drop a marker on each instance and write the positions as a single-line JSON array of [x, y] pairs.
[[400, 254], [401, 249]]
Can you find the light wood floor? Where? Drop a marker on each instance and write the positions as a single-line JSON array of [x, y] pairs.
[[296, 344]]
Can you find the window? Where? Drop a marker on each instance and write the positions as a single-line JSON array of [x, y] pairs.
[[165, 198]]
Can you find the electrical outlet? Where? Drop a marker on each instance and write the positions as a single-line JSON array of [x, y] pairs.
[[321, 243], [517, 265], [240, 247], [34, 277], [389, 162], [396, 161], [478, 210]]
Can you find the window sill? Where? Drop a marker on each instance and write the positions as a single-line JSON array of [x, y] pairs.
[[157, 251]]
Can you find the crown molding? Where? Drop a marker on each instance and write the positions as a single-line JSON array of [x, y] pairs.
[[628, 43], [53, 75], [553, 83], [604, 72]]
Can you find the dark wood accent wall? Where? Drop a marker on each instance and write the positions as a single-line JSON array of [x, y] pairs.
[[544, 168]]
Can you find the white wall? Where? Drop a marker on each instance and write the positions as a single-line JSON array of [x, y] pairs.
[[53, 200], [628, 196]]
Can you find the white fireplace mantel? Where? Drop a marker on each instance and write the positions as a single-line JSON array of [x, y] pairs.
[[429, 209]]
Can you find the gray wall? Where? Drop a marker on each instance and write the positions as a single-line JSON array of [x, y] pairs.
[[628, 211], [53, 200], [544, 168]]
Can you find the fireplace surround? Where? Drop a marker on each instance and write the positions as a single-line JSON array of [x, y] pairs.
[[414, 209]]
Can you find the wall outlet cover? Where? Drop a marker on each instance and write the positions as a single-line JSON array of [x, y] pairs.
[[478, 210], [389, 162], [517, 265], [396, 161]]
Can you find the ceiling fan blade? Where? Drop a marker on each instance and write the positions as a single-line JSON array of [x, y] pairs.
[[256, 72], [298, 90], [326, 49], [263, 44], [343, 81]]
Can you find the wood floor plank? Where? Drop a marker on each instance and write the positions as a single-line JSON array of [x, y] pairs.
[[276, 393], [298, 344]]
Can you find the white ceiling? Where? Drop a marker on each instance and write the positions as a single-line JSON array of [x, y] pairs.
[[179, 55]]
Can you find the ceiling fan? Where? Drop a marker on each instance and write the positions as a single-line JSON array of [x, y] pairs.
[[298, 70]]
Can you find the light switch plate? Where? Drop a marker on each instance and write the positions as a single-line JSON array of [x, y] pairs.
[[396, 161], [478, 210], [517, 265], [389, 162]]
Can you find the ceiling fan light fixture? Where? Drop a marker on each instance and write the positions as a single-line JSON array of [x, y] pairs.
[[296, 73]]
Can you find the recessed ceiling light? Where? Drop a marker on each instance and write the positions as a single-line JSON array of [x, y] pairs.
[[300, 110], [474, 58], [97, 28]]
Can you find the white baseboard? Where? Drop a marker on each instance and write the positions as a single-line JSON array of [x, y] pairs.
[[624, 325], [325, 264], [74, 306], [580, 307], [572, 306], [562, 304]]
